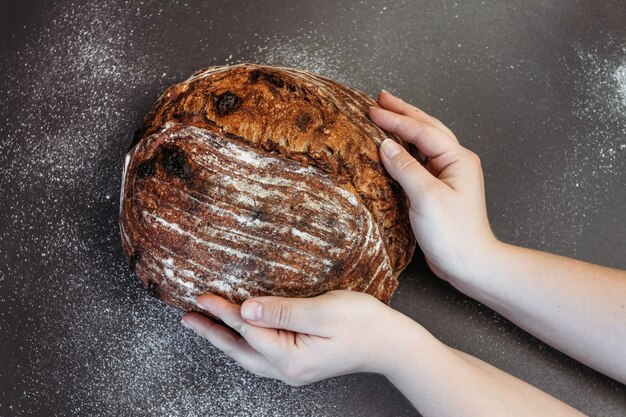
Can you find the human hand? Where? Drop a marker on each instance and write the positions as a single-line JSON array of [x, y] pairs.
[[303, 340], [446, 193]]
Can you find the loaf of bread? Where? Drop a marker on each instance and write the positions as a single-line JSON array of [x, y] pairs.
[[250, 180]]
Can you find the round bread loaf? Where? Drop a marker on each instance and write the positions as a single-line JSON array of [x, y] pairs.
[[250, 180]]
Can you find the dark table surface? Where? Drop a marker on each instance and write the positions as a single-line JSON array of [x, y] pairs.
[[537, 88]]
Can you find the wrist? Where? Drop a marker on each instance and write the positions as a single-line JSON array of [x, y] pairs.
[[401, 345], [422, 367], [479, 269]]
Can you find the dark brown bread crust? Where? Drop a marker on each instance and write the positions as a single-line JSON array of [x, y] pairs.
[[242, 172]]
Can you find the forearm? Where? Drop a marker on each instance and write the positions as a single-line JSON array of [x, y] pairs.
[[577, 307], [440, 381]]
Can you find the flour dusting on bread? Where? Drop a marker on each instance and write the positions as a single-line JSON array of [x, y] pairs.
[[249, 180]]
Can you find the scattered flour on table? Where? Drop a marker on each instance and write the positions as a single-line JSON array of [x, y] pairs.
[[337, 59], [619, 77], [595, 160], [574, 198], [96, 342], [601, 104], [599, 150]]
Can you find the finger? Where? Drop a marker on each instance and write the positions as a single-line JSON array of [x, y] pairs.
[[388, 101], [404, 168], [428, 139], [302, 315], [228, 342], [274, 344], [223, 309], [279, 345]]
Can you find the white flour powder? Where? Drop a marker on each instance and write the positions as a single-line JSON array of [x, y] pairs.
[[97, 342]]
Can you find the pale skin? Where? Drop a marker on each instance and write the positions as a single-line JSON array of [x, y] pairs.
[[574, 306]]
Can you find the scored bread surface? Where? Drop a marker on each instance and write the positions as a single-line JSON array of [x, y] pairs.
[[249, 180]]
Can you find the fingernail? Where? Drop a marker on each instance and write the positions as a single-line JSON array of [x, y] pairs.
[[252, 311], [390, 148], [185, 324], [200, 304], [382, 90]]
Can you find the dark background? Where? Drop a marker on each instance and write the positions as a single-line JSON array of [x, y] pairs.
[[536, 88]]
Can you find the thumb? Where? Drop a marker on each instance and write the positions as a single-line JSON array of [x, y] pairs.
[[302, 315], [405, 169]]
